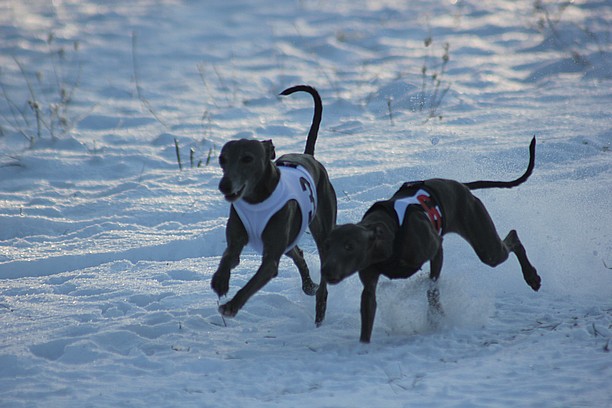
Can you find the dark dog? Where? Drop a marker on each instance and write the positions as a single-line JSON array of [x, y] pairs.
[[396, 237], [272, 204]]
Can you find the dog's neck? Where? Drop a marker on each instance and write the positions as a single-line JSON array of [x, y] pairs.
[[380, 218], [265, 186], [385, 229]]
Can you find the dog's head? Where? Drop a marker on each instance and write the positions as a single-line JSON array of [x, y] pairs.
[[244, 163], [353, 247]]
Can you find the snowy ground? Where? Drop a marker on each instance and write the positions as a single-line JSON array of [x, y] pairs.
[[107, 249]]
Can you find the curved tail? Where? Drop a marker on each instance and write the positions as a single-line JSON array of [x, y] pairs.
[[475, 185], [316, 118]]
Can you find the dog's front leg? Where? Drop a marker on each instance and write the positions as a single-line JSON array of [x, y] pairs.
[[237, 238], [321, 302], [267, 270], [220, 279], [368, 304], [433, 293]]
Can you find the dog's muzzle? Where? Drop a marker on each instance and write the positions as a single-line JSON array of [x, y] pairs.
[[330, 275], [234, 196], [225, 186]]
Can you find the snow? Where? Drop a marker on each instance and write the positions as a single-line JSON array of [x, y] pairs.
[[107, 249]]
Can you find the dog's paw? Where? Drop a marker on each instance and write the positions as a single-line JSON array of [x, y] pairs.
[[320, 316], [227, 310], [220, 284], [534, 281], [310, 288], [532, 278]]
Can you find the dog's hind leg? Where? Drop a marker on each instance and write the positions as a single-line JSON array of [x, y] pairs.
[[478, 229], [297, 256], [530, 274], [320, 228], [319, 233]]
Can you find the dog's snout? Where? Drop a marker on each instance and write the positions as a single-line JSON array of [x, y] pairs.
[[230, 190], [328, 271], [225, 185]]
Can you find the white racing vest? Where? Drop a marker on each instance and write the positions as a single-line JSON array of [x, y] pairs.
[[295, 183]]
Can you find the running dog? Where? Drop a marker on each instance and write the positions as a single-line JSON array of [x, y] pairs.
[[272, 204], [397, 236]]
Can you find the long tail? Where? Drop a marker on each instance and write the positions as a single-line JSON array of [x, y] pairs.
[[316, 118], [475, 185]]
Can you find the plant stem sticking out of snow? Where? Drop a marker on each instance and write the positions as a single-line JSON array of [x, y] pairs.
[[433, 86], [178, 154], [144, 101], [48, 101]]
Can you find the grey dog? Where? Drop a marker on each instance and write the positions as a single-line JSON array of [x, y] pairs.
[[252, 182], [397, 236]]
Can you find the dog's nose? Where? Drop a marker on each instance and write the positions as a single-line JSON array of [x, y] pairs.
[[327, 271], [230, 190], [225, 186]]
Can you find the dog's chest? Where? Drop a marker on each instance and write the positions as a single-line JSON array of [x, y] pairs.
[[295, 184], [407, 258]]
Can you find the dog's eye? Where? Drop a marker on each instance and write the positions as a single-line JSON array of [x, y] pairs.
[[348, 247], [246, 159]]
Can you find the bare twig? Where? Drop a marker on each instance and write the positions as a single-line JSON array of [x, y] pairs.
[[50, 111], [423, 86], [389, 100], [210, 152], [433, 90], [14, 108], [14, 121], [33, 102], [178, 154], [144, 101], [7, 307], [202, 71], [191, 157]]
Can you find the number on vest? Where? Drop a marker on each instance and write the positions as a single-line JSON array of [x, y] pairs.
[[307, 187]]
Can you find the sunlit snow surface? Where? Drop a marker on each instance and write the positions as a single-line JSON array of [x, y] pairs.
[[107, 249]]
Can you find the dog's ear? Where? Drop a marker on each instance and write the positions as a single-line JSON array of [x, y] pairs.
[[381, 244], [269, 148]]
